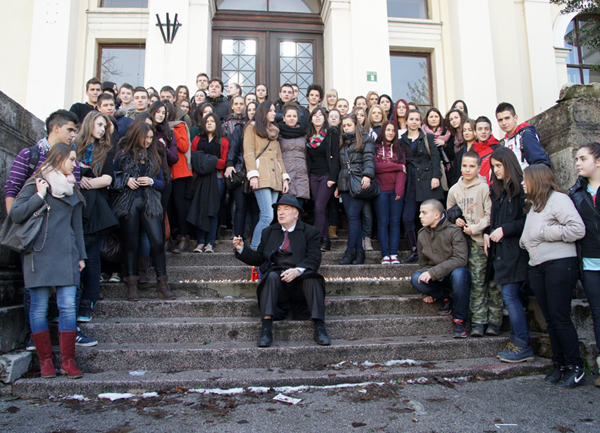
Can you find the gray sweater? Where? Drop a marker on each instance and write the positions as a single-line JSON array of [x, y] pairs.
[[551, 233]]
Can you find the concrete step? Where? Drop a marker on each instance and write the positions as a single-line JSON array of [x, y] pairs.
[[237, 272], [237, 329], [92, 384], [283, 354], [236, 307], [227, 234], [228, 258], [247, 289], [336, 245]]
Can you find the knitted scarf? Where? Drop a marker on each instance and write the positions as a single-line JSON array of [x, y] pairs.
[[289, 132], [440, 132], [316, 140], [59, 185]]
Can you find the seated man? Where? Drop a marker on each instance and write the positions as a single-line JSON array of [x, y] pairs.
[[443, 269], [289, 256]]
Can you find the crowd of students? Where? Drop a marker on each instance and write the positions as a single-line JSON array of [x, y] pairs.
[[156, 165]]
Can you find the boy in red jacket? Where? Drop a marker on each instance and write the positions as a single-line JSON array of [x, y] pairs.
[[485, 145]]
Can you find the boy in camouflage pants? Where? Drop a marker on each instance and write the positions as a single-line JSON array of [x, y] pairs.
[[472, 195]]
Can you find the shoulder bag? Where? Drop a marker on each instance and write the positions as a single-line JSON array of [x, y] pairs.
[[444, 179], [21, 237], [355, 187]]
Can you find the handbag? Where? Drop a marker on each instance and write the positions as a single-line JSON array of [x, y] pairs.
[[237, 178], [111, 249], [119, 181], [356, 190], [444, 179], [21, 237]]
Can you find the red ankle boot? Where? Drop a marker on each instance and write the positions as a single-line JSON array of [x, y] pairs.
[[43, 346], [67, 350]]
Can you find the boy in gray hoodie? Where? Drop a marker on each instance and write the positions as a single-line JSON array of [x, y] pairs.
[[471, 193]]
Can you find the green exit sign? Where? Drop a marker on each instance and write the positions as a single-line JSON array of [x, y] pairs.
[[371, 75]]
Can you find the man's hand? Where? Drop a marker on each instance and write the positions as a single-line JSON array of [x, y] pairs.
[[425, 277], [468, 230], [238, 243], [290, 275]]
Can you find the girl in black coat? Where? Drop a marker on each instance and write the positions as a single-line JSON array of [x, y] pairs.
[[585, 196], [422, 177], [508, 261], [357, 153]]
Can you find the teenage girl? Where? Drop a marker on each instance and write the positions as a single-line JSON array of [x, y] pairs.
[[386, 103], [331, 97], [399, 116]]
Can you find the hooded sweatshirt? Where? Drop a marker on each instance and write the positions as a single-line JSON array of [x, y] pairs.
[[525, 143], [485, 149], [476, 205]]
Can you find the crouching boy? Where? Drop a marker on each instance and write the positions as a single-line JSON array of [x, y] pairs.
[[472, 195], [442, 270]]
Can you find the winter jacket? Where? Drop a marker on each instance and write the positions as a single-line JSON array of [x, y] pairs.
[[303, 114], [361, 161], [474, 201], [202, 144], [123, 124], [169, 153], [203, 191], [269, 168], [422, 166], [389, 173], [589, 246], [507, 259], [235, 155], [485, 149], [220, 105], [293, 154], [551, 233], [442, 249], [332, 151], [183, 167], [525, 142]]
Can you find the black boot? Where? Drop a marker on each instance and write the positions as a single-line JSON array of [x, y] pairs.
[[266, 336], [411, 235], [359, 259], [326, 245], [348, 258]]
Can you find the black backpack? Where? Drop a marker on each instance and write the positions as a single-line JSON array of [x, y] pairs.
[[34, 158]]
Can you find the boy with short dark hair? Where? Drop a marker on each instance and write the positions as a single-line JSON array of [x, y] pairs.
[[522, 139], [484, 145], [140, 102], [215, 97], [126, 96], [472, 194], [168, 93], [93, 89], [442, 264], [202, 81]]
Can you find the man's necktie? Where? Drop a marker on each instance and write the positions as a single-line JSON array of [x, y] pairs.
[[286, 243]]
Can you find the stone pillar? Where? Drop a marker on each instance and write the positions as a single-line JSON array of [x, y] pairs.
[[53, 31]]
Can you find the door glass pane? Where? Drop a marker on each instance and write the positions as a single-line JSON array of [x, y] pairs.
[[296, 66], [407, 9], [410, 79], [573, 57], [302, 6], [124, 4], [244, 5], [123, 65], [238, 59]]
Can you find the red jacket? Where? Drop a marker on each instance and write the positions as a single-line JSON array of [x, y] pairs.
[[389, 174], [224, 149], [485, 149]]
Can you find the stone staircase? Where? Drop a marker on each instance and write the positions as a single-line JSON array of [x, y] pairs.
[[381, 331]]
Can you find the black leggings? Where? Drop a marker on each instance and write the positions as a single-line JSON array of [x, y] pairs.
[[178, 208], [130, 230]]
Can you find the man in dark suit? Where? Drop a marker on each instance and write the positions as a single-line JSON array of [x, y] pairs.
[[289, 256]]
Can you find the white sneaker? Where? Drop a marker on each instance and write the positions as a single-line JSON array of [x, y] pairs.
[[394, 260], [386, 260], [208, 249], [199, 248], [115, 278]]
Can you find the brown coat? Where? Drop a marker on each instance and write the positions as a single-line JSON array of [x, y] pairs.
[[269, 168], [442, 249]]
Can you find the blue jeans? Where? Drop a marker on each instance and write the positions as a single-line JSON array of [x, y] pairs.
[[205, 237], [265, 197], [458, 282], [90, 276], [511, 294], [366, 215], [353, 207], [591, 285], [389, 213], [38, 314]]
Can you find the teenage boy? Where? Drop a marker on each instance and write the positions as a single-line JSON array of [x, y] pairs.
[[442, 270], [168, 93], [202, 82], [126, 96], [61, 127], [522, 139], [286, 94], [140, 102], [93, 89], [296, 92], [472, 195], [314, 94], [215, 97], [106, 105], [484, 145]]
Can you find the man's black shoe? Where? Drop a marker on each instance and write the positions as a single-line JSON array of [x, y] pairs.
[[572, 377], [555, 374], [348, 258], [446, 308], [321, 336], [326, 245], [266, 338]]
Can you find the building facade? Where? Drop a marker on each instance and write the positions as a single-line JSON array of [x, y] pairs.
[[429, 51]]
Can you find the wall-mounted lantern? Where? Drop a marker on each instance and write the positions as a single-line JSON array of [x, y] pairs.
[[171, 27]]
